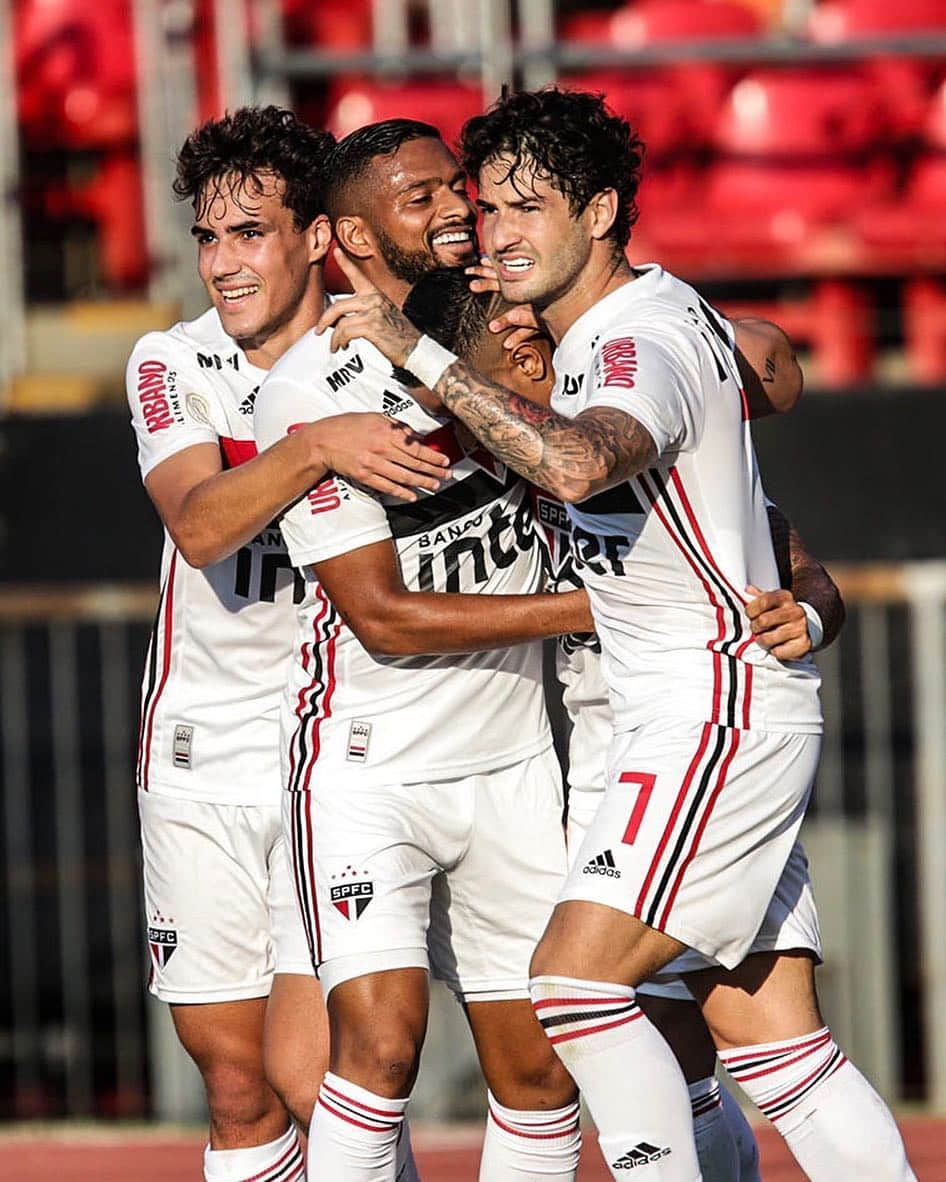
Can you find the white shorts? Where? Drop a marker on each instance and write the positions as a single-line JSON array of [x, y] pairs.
[[457, 876], [220, 911], [695, 830]]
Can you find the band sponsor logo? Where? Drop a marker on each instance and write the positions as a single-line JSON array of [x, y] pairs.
[[619, 363], [345, 373], [158, 402]]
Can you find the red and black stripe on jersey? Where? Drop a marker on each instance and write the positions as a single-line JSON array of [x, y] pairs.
[[667, 497], [162, 635]]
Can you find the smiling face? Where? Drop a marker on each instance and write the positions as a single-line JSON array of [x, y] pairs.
[[257, 265], [415, 213]]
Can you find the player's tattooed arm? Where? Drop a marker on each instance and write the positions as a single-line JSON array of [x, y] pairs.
[[777, 620], [571, 458]]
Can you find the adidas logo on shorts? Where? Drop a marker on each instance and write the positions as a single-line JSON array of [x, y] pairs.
[[640, 1155], [603, 864]]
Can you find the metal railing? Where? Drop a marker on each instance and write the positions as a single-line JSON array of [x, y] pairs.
[[74, 1029]]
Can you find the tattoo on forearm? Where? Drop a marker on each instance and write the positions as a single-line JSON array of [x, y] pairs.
[[572, 458], [812, 583]]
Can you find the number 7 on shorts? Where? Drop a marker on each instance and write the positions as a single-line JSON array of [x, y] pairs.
[[645, 782]]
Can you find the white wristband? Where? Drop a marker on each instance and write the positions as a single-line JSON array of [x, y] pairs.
[[428, 360], [815, 626]]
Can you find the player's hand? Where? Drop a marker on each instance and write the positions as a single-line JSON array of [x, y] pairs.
[[483, 275], [778, 623], [368, 314], [521, 320], [381, 453]]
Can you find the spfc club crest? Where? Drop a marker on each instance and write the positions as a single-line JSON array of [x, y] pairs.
[[163, 944], [351, 898]]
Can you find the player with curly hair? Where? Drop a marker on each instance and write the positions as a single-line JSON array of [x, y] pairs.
[[715, 739], [229, 953]]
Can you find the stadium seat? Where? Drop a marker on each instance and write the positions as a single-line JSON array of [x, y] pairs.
[[330, 24], [907, 234], [446, 105], [702, 85], [848, 20], [114, 201], [75, 68], [655, 107], [906, 83]]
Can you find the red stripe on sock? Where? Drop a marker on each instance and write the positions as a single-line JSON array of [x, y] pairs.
[[557, 1038]]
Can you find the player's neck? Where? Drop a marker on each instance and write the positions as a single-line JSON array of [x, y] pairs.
[[266, 351], [603, 274]]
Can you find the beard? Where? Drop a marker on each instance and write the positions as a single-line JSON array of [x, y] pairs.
[[408, 265]]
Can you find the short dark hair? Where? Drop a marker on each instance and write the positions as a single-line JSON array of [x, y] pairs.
[[250, 142], [352, 156], [443, 306], [571, 138]]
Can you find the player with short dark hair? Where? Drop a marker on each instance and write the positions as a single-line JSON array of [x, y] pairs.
[[228, 948], [716, 739]]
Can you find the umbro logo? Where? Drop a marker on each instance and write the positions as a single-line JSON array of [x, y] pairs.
[[640, 1155], [392, 405], [603, 864]]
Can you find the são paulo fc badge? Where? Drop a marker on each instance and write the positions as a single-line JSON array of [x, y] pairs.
[[161, 940], [352, 894]]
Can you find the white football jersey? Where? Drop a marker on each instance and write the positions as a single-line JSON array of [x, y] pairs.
[[222, 636], [411, 719], [668, 555]]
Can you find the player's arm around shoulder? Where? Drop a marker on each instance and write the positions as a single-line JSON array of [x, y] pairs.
[[391, 620], [807, 613], [771, 376]]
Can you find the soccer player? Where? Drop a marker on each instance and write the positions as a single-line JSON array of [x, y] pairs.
[[424, 798], [444, 306], [228, 948], [716, 740]]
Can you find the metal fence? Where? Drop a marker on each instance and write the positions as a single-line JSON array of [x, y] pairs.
[[76, 1036]]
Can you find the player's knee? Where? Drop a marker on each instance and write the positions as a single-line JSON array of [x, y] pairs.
[[237, 1094], [534, 1078], [385, 1061], [298, 1094]]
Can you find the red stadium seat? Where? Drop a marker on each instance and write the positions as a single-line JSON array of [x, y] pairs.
[[649, 100], [75, 68], [701, 85], [114, 200], [446, 105], [802, 113], [329, 24], [848, 20]]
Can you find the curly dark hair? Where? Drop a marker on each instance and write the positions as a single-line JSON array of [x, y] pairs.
[[569, 138], [352, 156], [443, 306], [248, 143]]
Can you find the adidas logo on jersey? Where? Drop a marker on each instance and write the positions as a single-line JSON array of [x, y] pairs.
[[249, 402], [640, 1155], [603, 864], [392, 405]]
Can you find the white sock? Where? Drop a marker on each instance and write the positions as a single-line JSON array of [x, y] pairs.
[[747, 1148], [278, 1161], [715, 1147], [831, 1118], [521, 1146], [354, 1134], [627, 1074]]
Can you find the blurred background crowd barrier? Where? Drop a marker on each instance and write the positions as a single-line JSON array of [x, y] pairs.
[[796, 168]]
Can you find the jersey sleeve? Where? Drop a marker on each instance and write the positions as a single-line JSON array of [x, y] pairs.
[[172, 406], [336, 515], [643, 378]]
